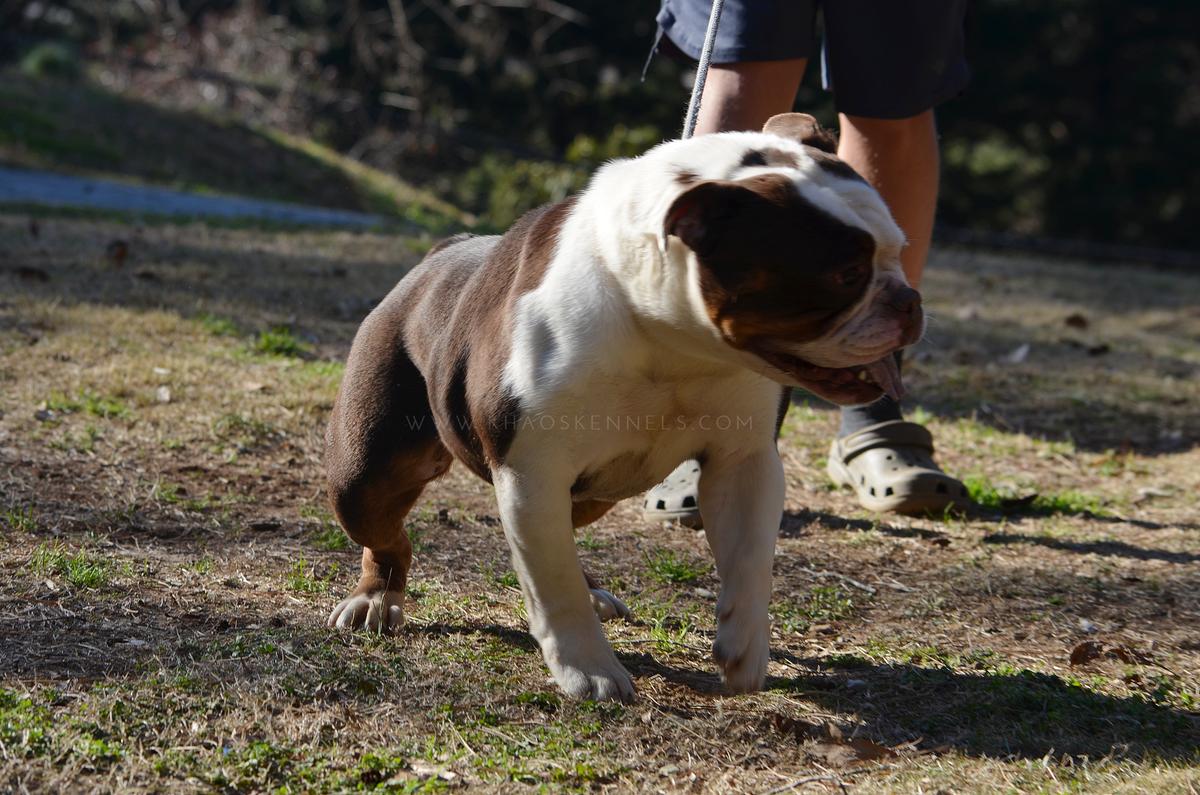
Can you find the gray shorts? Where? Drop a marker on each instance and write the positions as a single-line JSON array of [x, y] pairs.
[[882, 59]]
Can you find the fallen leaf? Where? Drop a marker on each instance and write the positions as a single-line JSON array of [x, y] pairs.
[[117, 251], [841, 753], [1086, 652], [1018, 354], [1130, 656], [1017, 503], [801, 730], [1150, 493], [32, 274]]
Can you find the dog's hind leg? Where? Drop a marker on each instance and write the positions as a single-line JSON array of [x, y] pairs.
[[381, 448], [605, 603]]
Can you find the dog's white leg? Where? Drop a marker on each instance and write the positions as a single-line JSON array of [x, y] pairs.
[[741, 502], [535, 510]]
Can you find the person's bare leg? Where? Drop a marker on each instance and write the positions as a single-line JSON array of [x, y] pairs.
[[900, 158], [742, 96], [897, 471]]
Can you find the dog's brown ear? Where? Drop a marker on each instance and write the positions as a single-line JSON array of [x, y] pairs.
[[803, 128], [699, 214]]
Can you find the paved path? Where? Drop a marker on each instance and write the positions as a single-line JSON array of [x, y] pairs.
[[59, 190]]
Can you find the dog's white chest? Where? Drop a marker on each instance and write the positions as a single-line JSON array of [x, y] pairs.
[[628, 435]]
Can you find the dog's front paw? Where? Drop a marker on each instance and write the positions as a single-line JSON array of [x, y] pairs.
[[608, 606], [374, 611], [742, 649], [597, 675]]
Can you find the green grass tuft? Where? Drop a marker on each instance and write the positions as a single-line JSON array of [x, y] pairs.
[[668, 567], [88, 402], [508, 579], [19, 519], [824, 604], [280, 341], [302, 577], [1071, 503], [81, 569], [218, 326], [26, 728]]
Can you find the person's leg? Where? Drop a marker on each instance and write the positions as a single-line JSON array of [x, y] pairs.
[[900, 158], [742, 96]]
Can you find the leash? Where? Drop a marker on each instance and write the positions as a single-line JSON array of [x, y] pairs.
[[710, 38]]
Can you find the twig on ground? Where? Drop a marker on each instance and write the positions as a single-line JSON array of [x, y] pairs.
[[862, 586]]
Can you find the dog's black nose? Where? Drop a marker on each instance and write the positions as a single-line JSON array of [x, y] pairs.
[[905, 300]]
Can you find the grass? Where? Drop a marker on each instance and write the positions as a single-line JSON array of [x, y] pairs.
[[189, 651], [303, 578], [218, 326], [667, 566], [823, 604], [87, 402], [81, 568], [280, 341], [19, 519], [1069, 502]]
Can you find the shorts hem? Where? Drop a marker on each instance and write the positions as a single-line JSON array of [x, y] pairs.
[[951, 88]]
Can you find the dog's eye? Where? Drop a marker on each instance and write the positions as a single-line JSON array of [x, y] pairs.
[[853, 276]]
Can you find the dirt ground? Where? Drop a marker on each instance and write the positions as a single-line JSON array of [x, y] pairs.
[[168, 558]]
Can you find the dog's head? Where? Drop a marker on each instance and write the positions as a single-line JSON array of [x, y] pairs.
[[798, 269]]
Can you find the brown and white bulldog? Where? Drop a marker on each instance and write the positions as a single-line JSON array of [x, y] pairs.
[[577, 359]]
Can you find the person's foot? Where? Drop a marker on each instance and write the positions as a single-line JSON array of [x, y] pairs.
[[676, 499], [890, 466]]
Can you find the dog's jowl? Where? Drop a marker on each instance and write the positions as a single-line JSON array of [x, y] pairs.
[[577, 359]]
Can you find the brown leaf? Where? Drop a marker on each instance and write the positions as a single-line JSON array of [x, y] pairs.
[[1017, 503], [1130, 656], [1076, 321], [117, 252], [801, 730], [1086, 652], [30, 274], [840, 753]]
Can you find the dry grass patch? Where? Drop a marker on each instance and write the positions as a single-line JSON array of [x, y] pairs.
[[168, 557]]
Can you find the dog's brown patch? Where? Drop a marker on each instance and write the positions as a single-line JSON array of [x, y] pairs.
[[448, 321], [835, 165], [770, 157], [772, 263]]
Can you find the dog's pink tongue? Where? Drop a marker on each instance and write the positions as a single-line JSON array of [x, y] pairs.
[[886, 373]]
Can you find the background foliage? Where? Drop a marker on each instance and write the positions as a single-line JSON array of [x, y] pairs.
[[1083, 119]]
